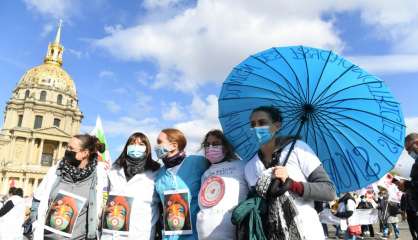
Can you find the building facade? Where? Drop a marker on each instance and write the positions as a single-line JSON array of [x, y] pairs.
[[39, 119]]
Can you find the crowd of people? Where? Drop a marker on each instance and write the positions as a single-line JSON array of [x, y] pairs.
[[182, 196]]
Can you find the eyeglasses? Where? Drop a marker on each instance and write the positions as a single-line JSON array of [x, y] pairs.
[[211, 144]]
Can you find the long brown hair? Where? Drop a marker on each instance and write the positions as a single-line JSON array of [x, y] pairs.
[[228, 148], [150, 164]]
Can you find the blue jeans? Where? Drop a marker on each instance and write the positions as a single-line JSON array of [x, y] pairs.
[[386, 229], [347, 236]]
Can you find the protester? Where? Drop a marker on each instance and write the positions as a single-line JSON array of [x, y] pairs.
[[366, 230], [303, 177], [132, 176], [411, 187], [346, 208], [12, 215], [178, 185], [409, 213], [223, 187], [77, 178], [388, 214]]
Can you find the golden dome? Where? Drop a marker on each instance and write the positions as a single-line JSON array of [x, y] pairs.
[[49, 76]]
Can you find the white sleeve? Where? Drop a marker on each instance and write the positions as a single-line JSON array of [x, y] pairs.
[[308, 161], [253, 170], [351, 205], [46, 183]]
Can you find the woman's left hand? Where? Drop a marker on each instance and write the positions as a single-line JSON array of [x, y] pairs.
[[280, 173]]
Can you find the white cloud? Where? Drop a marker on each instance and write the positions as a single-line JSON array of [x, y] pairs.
[[111, 29], [153, 4], [404, 164], [53, 8], [387, 64], [76, 53], [411, 125], [203, 117], [106, 74], [173, 112], [112, 106], [202, 43], [144, 78], [47, 29]]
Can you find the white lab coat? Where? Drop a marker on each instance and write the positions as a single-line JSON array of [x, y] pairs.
[[11, 223], [144, 211], [43, 191]]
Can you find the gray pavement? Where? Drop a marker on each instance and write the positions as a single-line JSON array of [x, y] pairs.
[[403, 226]]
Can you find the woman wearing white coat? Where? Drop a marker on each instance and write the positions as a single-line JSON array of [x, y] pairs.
[[132, 175], [77, 174]]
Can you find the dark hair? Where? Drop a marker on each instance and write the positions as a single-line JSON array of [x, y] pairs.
[[150, 164], [273, 112], [175, 135], [92, 144], [228, 148], [16, 191], [410, 137]]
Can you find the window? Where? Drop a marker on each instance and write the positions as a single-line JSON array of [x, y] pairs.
[[46, 159], [38, 122], [59, 99], [43, 96], [20, 120], [27, 92], [57, 122]]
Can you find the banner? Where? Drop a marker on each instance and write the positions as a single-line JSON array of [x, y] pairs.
[[177, 220], [116, 215], [359, 217]]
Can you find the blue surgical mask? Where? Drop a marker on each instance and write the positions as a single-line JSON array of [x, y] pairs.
[[413, 155], [136, 151], [161, 151], [263, 134]]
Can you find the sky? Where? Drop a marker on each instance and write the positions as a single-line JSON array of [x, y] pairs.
[[147, 65]]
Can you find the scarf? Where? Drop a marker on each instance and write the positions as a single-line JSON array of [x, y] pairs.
[[133, 167], [175, 160], [75, 174], [283, 220]]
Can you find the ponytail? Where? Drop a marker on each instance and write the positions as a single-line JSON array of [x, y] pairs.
[[91, 143]]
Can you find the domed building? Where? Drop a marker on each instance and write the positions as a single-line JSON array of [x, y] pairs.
[[39, 119]]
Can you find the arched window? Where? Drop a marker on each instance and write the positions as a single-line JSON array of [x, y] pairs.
[[43, 96], [38, 122], [27, 92], [59, 99]]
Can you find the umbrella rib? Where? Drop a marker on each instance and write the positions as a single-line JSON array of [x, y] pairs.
[[355, 132], [366, 112], [330, 85], [348, 140], [335, 175], [294, 73], [314, 135], [348, 99], [320, 76], [275, 83], [249, 109], [287, 80], [322, 100], [307, 74], [268, 90]]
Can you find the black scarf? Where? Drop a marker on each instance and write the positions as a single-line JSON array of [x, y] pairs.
[[175, 160], [134, 166], [75, 174]]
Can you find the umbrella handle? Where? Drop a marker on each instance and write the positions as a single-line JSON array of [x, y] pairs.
[[303, 119]]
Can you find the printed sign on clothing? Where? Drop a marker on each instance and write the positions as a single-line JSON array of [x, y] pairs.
[[63, 213], [177, 220], [117, 214]]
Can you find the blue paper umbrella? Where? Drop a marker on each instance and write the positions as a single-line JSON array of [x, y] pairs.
[[346, 115]]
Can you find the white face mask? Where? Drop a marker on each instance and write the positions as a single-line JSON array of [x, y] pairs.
[[413, 154]]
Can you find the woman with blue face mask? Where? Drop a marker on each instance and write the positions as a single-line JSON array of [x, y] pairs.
[[178, 185], [131, 182], [303, 178]]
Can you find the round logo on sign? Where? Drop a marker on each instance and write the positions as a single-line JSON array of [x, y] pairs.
[[212, 191]]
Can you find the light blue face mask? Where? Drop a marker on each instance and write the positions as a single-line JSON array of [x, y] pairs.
[[161, 151], [136, 151], [263, 134]]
